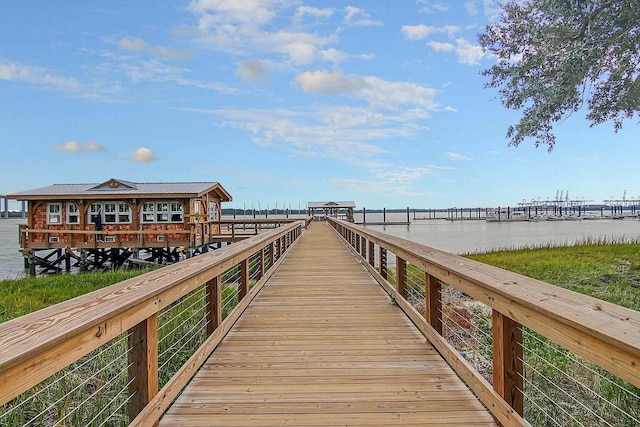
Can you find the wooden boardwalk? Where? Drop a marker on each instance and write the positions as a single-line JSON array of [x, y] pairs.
[[323, 344]]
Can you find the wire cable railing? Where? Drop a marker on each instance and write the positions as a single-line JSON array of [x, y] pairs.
[[170, 318], [77, 394], [469, 311]]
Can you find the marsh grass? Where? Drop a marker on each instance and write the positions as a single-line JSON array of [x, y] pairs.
[[22, 296], [608, 272], [561, 388]]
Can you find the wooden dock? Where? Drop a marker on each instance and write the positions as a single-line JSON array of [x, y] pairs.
[[323, 344]]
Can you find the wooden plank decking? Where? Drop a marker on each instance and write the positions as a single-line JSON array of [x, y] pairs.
[[323, 344]]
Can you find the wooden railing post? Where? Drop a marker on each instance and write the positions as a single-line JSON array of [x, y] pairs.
[[363, 247], [214, 304], [371, 254], [261, 265], [143, 364], [401, 276], [276, 249], [383, 263], [272, 254], [433, 302], [243, 289], [508, 370], [358, 241]]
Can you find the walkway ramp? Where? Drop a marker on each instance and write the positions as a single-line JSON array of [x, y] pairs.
[[323, 344]]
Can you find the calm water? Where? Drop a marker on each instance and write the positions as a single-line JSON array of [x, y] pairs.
[[471, 236], [459, 237]]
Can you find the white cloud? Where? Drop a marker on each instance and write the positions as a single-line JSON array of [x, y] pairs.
[[421, 31], [403, 176], [300, 53], [377, 92], [357, 16], [467, 53], [313, 11], [253, 70], [334, 56], [246, 11], [388, 179], [456, 156], [144, 155], [346, 134], [416, 32], [245, 29], [438, 7], [15, 71], [156, 71], [323, 82], [74, 147], [471, 7], [442, 47], [139, 45]]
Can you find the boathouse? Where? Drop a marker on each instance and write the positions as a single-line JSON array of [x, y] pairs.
[[342, 210], [121, 215]]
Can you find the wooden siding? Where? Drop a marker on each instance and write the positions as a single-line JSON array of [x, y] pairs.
[[323, 344], [124, 234]]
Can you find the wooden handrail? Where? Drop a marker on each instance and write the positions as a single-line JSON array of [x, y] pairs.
[[601, 332], [104, 231], [37, 345]]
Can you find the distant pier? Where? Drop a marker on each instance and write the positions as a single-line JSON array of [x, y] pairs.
[[4, 212], [518, 213]]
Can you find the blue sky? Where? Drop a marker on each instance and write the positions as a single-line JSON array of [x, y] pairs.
[[379, 102]]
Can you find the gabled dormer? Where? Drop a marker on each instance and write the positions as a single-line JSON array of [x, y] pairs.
[[115, 184]]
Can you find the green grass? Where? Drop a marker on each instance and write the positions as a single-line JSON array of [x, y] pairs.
[[21, 296], [608, 272]]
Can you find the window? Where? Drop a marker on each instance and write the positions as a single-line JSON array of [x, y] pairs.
[[93, 210], [54, 213], [109, 210], [73, 215], [112, 212], [124, 213], [162, 212], [148, 212], [176, 212]]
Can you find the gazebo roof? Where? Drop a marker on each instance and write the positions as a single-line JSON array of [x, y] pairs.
[[331, 205], [117, 188]]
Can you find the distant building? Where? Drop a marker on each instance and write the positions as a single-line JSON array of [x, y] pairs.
[[342, 210], [131, 215]]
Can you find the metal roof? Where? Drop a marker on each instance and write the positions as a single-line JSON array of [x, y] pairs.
[[115, 187], [338, 205]]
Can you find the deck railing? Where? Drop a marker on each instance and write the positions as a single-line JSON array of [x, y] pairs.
[[121, 354], [193, 234], [533, 352], [242, 227]]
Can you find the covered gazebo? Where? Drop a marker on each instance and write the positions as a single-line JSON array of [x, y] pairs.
[[342, 210]]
